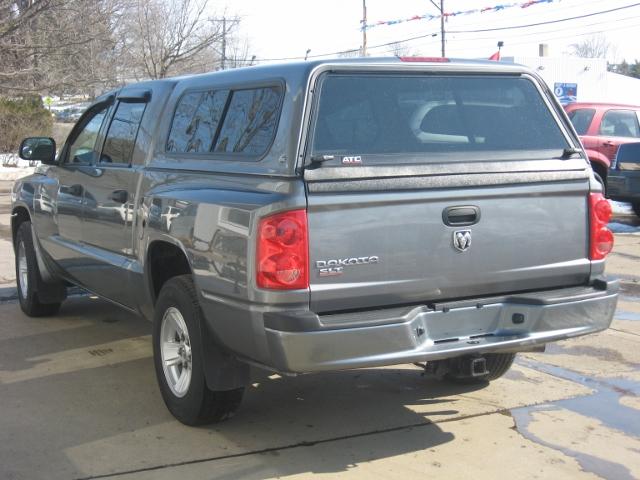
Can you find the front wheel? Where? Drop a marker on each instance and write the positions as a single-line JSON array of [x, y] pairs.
[[178, 358], [32, 290]]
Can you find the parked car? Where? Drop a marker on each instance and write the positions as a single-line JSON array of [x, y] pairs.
[[623, 181], [603, 128], [323, 215]]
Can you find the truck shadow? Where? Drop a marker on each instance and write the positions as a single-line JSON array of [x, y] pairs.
[[114, 413]]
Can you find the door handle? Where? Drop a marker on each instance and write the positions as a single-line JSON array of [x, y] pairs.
[[461, 216], [119, 196], [608, 143]]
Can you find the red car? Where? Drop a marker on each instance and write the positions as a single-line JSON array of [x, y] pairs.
[[603, 127]]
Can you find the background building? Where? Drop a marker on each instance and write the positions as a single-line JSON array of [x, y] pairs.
[[582, 79]]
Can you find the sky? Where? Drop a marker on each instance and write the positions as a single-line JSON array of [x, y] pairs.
[[287, 28]]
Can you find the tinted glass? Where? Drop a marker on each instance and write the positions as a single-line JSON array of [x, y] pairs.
[[82, 149], [628, 157], [396, 114], [250, 122], [620, 123], [581, 119], [196, 121], [121, 137]]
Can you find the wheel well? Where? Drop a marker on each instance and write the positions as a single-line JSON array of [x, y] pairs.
[[19, 216], [164, 261]]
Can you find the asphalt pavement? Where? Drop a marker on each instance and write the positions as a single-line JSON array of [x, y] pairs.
[[78, 399]]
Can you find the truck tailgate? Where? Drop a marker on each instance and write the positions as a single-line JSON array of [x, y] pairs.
[[375, 248]]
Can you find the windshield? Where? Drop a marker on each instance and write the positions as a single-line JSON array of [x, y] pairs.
[[420, 114]]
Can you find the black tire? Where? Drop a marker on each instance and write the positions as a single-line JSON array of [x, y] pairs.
[[199, 405], [32, 292], [636, 208], [497, 365]]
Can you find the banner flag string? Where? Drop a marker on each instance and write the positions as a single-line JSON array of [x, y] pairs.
[[428, 17]]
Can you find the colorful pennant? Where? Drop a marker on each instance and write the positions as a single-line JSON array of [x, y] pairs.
[[428, 17]]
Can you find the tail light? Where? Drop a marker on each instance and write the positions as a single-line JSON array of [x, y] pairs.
[[283, 251], [600, 236]]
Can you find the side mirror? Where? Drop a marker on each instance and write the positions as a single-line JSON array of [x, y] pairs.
[[41, 149]]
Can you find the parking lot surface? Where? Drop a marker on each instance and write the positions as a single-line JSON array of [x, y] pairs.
[[78, 399]]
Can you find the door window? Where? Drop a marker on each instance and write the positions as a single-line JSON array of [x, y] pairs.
[[82, 150], [121, 137], [620, 123], [581, 119]]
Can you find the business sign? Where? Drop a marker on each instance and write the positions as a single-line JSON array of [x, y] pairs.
[[566, 92]]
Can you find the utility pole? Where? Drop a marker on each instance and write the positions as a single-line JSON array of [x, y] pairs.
[[364, 28], [442, 26], [441, 10], [224, 43]]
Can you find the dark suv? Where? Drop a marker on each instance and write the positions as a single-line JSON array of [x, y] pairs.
[[322, 216], [623, 182]]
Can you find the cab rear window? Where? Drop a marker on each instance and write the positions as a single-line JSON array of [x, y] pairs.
[[394, 114]]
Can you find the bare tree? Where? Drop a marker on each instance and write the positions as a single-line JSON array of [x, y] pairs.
[[168, 37], [237, 52], [353, 53], [401, 49], [56, 46], [596, 46], [88, 46]]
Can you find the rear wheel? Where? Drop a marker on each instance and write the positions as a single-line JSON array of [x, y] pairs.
[[497, 364], [32, 290], [636, 208], [178, 357]]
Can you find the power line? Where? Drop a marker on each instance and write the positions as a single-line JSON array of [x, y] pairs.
[[545, 23], [433, 34], [545, 32], [561, 37]]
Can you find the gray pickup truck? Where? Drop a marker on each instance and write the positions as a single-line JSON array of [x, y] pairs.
[[320, 216]]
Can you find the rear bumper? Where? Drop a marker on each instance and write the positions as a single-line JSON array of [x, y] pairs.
[[304, 342]]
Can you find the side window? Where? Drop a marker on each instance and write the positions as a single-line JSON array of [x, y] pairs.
[[82, 150], [581, 119], [195, 122], [250, 122], [121, 137], [620, 123]]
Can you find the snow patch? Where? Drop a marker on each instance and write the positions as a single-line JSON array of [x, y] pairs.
[[621, 208], [13, 167]]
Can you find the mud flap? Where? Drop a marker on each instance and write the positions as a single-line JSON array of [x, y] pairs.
[[48, 287], [222, 370]]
